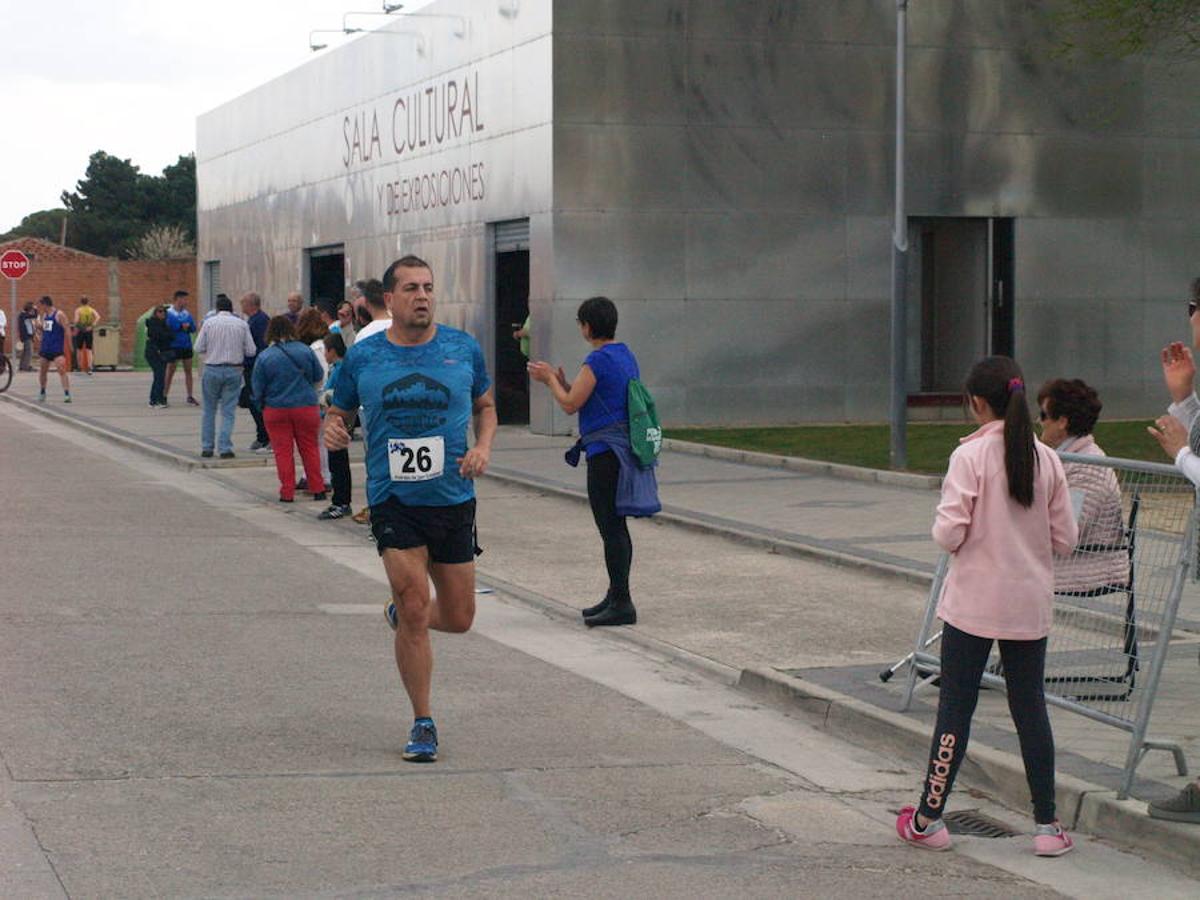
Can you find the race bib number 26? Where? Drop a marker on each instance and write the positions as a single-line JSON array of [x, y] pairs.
[[416, 459]]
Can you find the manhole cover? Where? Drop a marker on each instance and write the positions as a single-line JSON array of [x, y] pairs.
[[973, 822]]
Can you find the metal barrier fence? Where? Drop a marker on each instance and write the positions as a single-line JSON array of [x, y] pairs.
[[1116, 600]]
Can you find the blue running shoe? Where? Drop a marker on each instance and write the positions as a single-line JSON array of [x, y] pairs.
[[422, 742], [389, 613]]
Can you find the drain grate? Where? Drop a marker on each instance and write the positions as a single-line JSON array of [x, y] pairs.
[[973, 822]]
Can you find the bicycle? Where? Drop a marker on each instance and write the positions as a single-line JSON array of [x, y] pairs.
[[6, 373]]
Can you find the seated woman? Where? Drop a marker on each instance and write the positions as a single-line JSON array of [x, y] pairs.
[[1100, 563]]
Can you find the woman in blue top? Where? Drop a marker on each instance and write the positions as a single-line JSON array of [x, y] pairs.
[[283, 385], [600, 395]]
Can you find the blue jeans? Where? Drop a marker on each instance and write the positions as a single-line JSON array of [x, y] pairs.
[[220, 386]]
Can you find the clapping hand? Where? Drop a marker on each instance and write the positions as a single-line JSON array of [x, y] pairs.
[[541, 371], [1170, 434], [1179, 371]]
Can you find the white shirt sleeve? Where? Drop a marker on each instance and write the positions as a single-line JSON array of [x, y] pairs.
[[320, 355], [1186, 410], [1189, 464]]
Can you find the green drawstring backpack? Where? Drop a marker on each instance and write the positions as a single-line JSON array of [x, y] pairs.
[[645, 434]]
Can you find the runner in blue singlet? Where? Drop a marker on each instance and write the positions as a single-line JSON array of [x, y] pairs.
[[52, 339]]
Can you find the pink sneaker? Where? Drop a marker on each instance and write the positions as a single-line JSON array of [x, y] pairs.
[[1052, 840], [934, 837]]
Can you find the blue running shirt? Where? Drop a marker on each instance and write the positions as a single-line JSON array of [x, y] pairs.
[[412, 396]]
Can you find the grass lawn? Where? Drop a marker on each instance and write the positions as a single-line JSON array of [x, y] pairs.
[[929, 445]]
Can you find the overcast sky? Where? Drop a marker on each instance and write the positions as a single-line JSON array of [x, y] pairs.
[[130, 77]]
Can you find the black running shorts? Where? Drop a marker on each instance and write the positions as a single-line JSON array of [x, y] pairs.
[[448, 531]]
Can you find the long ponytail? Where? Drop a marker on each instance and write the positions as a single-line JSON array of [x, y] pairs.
[[998, 380]]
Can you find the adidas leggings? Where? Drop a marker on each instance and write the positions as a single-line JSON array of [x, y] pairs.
[[964, 657]]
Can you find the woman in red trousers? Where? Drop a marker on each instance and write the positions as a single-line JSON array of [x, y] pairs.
[[284, 387]]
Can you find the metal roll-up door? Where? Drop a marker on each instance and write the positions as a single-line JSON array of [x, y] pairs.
[[212, 284], [512, 235]]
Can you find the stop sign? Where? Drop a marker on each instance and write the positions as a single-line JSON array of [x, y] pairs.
[[14, 264]]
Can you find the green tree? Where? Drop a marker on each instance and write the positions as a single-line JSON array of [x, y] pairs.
[[1128, 27], [115, 204], [106, 206], [45, 224], [171, 199]]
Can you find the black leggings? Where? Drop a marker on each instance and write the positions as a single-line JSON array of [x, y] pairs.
[[603, 469], [339, 472], [964, 657]]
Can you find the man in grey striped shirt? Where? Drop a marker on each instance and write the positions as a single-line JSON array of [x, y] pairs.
[[225, 341]]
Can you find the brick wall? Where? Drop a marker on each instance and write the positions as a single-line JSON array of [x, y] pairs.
[[143, 283], [66, 275]]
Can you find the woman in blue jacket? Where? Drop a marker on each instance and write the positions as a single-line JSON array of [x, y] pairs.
[[283, 385], [599, 394]]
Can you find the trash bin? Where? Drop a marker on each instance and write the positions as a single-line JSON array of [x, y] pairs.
[[107, 350]]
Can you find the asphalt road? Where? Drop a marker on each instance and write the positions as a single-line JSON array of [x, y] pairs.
[[197, 698]]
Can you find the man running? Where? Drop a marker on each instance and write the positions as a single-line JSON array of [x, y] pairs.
[[52, 342], [419, 384], [84, 338]]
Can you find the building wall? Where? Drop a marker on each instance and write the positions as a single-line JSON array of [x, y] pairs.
[[731, 188], [144, 283], [120, 289], [723, 170], [324, 155]]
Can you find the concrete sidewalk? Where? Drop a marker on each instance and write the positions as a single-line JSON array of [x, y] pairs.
[[779, 623], [881, 526]]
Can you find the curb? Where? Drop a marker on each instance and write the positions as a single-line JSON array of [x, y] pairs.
[[766, 541], [808, 466], [703, 665], [771, 543], [1085, 806], [132, 443]]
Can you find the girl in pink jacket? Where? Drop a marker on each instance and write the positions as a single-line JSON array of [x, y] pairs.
[[1005, 511]]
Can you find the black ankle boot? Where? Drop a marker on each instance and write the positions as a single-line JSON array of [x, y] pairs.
[[599, 607], [619, 612]]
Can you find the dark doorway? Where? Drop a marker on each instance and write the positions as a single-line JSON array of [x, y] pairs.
[[326, 273], [512, 308], [1002, 295], [961, 291]]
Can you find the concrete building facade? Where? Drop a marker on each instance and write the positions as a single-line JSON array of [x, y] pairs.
[[723, 171]]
